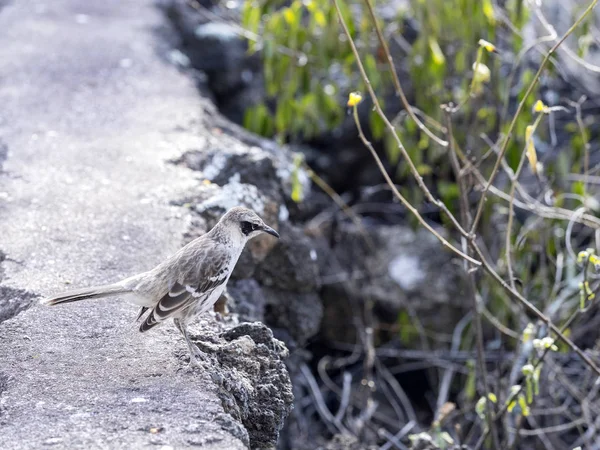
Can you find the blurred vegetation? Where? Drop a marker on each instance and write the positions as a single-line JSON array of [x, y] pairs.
[[309, 70], [308, 66]]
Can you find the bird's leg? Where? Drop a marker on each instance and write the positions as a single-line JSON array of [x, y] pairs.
[[196, 355]]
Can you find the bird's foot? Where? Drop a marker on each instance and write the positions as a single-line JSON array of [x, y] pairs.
[[198, 360]]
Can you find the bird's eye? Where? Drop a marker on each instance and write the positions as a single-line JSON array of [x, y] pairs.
[[248, 227]]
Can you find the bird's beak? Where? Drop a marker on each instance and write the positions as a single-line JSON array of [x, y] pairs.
[[271, 231]]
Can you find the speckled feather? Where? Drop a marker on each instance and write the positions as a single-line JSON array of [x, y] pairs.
[[193, 290]]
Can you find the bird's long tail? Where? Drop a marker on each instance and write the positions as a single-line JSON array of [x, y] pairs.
[[82, 294]]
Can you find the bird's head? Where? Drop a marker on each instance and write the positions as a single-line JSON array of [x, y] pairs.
[[245, 223]]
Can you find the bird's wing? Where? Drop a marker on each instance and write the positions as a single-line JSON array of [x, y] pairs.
[[192, 286]]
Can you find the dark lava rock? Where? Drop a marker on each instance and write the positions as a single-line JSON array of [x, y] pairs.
[[248, 165], [300, 314], [407, 269], [292, 264], [253, 382], [246, 298]]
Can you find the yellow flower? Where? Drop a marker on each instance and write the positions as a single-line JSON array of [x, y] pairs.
[[540, 107], [487, 45], [582, 256], [289, 15], [354, 98]]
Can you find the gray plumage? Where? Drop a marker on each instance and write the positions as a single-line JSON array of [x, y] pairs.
[[189, 282]]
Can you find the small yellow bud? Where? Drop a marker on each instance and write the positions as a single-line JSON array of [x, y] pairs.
[[511, 406], [527, 369], [481, 73], [487, 45], [545, 343], [289, 16], [523, 405], [582, 256], [531, 153], [354, 99], [528, 332], [540, 107]]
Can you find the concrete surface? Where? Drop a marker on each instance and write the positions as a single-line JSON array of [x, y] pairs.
[[90, 112]]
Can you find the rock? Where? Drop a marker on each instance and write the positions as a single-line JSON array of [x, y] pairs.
[[292, 264], [403, 272], [246, 298], [250, 166], [254, 386], [232, 153], [13, 301], [299, 314], [295, 317], [3, 155]]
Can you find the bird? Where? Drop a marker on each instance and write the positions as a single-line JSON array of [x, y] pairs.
[[189, 282]]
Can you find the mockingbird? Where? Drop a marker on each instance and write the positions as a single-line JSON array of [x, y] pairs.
[[189, 282]]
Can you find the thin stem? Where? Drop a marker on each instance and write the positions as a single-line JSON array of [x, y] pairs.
[[472, 85], [584, 141], [325, 187], [511, 205], [528, 305], [391, 128], [400, 197], [464, 207], [518, 113], [396, 79]]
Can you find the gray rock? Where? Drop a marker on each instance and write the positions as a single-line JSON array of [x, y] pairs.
[[246, 299], [3, 154], [292, 264], [254, 386], [13, 301], [235, 156], [407, 269], [251, 166], [299, 314]]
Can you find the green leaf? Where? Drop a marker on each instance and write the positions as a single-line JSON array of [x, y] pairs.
[[578, 188]]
